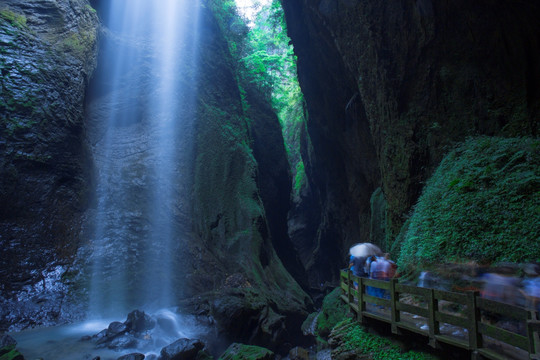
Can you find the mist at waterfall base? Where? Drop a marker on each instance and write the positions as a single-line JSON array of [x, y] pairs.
[[69, 342], [139, 116]]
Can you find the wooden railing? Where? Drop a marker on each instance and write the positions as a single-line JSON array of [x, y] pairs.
[[464, 326]]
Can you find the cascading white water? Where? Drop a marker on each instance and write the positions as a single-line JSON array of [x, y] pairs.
[[139, 126]]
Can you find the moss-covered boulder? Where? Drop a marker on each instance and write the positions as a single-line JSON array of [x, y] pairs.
[[8, 350], [246, 352], [482, 203], [10, 353], [333, 311]]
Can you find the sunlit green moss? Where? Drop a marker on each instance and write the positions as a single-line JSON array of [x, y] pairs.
[[90, 8], [300, 177], [17, 20]]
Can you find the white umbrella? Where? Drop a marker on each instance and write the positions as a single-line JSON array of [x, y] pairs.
[[365, 250]]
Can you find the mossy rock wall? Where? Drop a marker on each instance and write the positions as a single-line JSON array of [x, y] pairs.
[[391, 86], [233, 253], [47, 54]]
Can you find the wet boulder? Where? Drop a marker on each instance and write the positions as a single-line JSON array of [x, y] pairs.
[[139, 321], [133, 356], [116, 328], [182, 349], [124, 341], [116, 337]]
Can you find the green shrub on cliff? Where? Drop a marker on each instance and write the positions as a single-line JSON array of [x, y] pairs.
[[482, 203]]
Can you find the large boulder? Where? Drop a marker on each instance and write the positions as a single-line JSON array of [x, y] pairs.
[[132, 356], [138, 321], [182, 349], [238, 351]]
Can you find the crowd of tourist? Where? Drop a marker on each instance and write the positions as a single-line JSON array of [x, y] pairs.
[[515, 284]]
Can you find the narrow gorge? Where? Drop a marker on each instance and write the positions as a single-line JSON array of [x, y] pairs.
[[184, 170]]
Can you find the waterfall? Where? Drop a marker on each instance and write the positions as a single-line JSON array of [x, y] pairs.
[[140, 120]]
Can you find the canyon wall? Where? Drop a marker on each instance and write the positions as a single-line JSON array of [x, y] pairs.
[[48, 53], [390, 88]]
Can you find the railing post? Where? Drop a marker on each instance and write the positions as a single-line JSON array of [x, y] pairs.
[[532, 333], [475, 338], [433, 324], [361, 303], [394, 312], [349, 293]]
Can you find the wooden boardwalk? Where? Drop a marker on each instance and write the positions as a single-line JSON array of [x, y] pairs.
[[515, 337]]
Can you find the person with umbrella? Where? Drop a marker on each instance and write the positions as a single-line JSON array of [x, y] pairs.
[[359, 254]]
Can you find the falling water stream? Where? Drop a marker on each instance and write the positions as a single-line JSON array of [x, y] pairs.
[[138, 121], [140, 142]]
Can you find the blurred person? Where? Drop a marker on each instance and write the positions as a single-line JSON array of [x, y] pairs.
[[531, 286], [500, 286]]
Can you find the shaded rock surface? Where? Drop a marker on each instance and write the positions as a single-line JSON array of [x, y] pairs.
[[182, 349], [48, 54], [133, 356], [238, 351], [390, 87], [135, 332], [235, 271]]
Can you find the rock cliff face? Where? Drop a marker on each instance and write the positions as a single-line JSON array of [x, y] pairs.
[[390, 86], [239, 208], [48, 52], [232, 247]]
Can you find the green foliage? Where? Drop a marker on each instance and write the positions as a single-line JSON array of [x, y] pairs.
[[17, 20], [270, 63], [354, 338], [265, 60], [332, 312], [482, 203]]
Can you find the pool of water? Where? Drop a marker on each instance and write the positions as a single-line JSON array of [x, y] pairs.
[[71, 342]]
